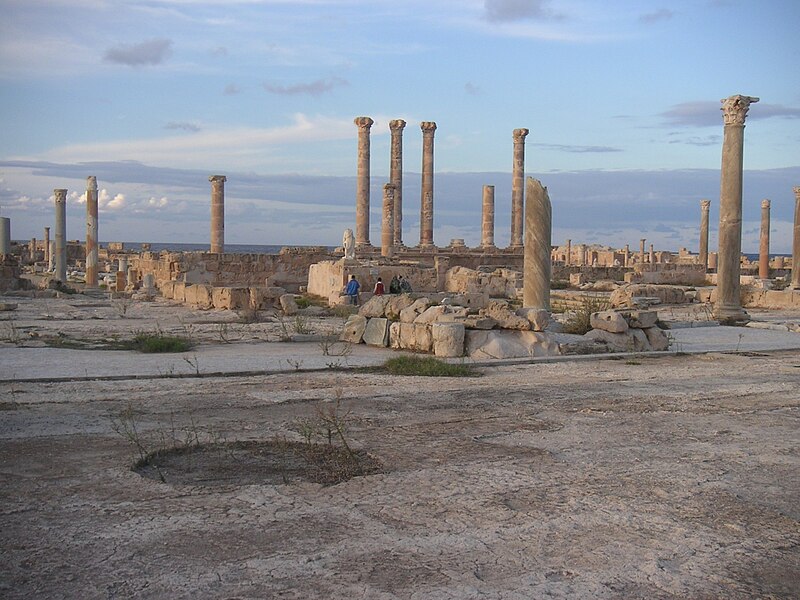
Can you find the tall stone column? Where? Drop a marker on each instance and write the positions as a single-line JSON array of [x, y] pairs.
[[61, 234], [627, 258], [426, 204], [122, 273], [568, 261], [362, 182], [583, 252], [47, 246], [5, 235], [91, 232], [763, 242], [396, 178], [517, 187], [728, 308], [387, 226], [705, 205], [217, 213], [796, 241], [537, 263], [487, 217], [32, 249], [652, 257], [641, 250]]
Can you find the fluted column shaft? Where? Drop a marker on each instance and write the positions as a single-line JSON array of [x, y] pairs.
[[362, 181], [518, 187], [387, 226], [61, 234], [426, 204], [728, 307], [217, 213], [537, 261], [487, 217], [705, 205], [91, 232], [47, 245], [796, 241], [396, 178], [763, 242]]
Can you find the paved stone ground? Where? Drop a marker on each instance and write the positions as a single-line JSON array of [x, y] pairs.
[[644, 477]]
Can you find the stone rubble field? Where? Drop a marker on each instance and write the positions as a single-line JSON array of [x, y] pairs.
[[658, 476]]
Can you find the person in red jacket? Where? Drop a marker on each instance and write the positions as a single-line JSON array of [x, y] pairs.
[[379, 290]]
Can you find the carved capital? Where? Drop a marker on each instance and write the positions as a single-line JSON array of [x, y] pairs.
[[734, 109], [705, 205], [389, 188], [218, 179], [61, 195], [397, 125], [91, 183], [765, 203], [428, 127], [363, 123], [797, 193], [519, 134]]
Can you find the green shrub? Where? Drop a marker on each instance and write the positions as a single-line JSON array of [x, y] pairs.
[[427, 366], [579, 321], [157, 342]]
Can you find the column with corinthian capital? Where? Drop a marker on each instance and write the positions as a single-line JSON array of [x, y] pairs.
[[396, 126], [728, 308], [426, 203], [362, 182]]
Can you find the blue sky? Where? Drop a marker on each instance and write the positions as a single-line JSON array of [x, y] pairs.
[[621, 99]]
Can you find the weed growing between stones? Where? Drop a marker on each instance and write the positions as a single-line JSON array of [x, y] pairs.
[[427, 366], [156, 342], [579, 321]]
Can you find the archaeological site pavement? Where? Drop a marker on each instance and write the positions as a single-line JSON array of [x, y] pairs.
[[653, 476]]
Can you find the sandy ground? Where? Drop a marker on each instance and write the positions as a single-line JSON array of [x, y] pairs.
[[648, 477]]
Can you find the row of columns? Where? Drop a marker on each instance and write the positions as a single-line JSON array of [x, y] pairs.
[[428, 128]]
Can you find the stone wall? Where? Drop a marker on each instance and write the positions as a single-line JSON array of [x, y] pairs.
[[288, 269], [668, 274]]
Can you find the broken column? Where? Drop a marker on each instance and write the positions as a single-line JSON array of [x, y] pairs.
[[387, 226], [426, 204], [796, 241], [537, 265], [627, 256], [568, 256], [91, 232], [5, 235], [122, 273], [517, 187], [32, 249], [763, 242], [396, 178], [487, 217], [641, 250], [728, 308], [47, 247], [217, 213], [362, 181], [652, 257], [61, 235], [705, 205]]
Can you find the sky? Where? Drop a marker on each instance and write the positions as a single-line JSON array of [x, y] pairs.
[[622, 100]]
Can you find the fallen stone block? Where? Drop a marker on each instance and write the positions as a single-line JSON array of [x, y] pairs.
[[376, 333], [354, 328], [509, 344], [608, 320], [448, 339]]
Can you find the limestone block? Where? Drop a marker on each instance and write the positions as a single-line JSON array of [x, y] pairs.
[[374, 307], [179, 292], [168, 289], [641, 319], [453, 314], [354, 329], [625, 296], [394, 335], [505, 317], [633, 340], [472, 300], [538, 317], [199, 296], [509, 344], [608, 320], [448, 339], [576, 279], [657, 338], [231, 298], [407, 315], [288, 304], [416, 336], [395, 304], [431, 314], [477, 322], [265, 297], [376, 333]]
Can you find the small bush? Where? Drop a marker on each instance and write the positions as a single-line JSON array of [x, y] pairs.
[[427, 366], [579, 321], [157, 342]]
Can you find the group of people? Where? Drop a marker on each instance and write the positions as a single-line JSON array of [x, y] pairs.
[[398, 285]]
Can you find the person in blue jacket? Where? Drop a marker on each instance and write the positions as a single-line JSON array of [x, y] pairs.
[[351, 291]]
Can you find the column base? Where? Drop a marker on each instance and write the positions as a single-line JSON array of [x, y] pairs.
[[731, 315]]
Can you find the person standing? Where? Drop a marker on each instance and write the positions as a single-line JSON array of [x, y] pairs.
[[351, 291], [379, 289], [394, 285]]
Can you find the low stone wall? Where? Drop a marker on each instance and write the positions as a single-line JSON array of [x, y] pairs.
[[204, 296], [288, 269], [668, 274]]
